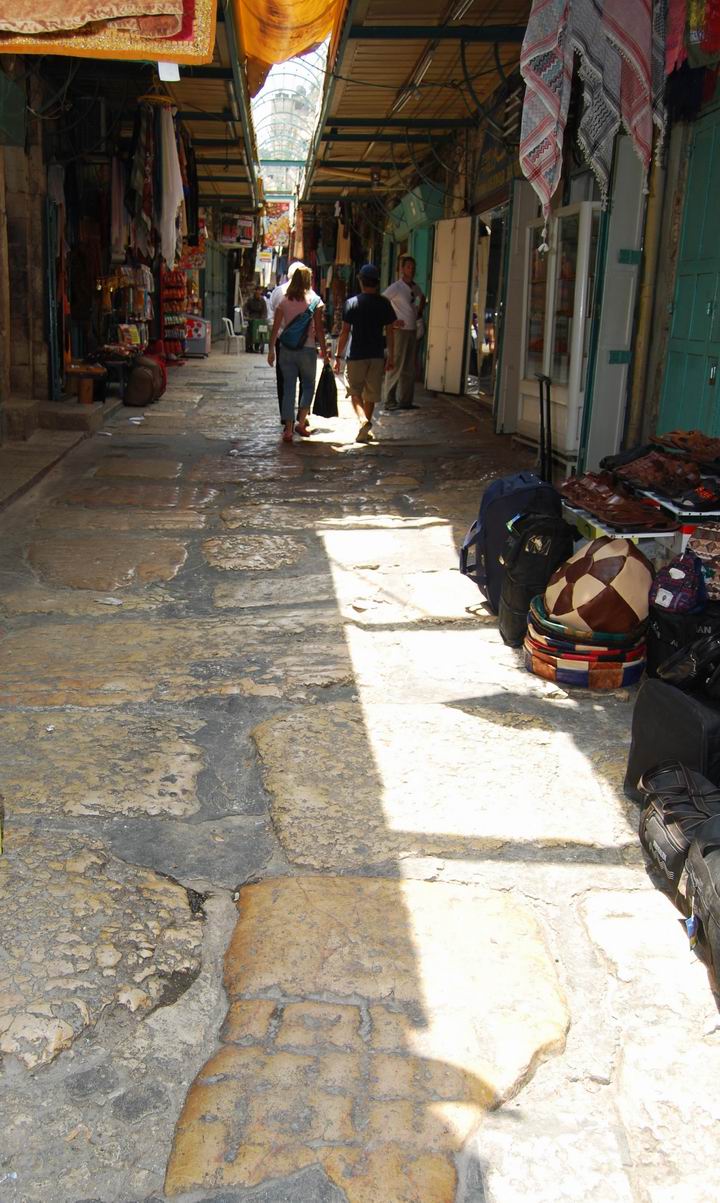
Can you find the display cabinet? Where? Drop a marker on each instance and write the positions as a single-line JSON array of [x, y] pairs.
[[559, 291]]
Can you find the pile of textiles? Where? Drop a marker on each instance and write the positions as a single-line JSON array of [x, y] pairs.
[[590, 659]]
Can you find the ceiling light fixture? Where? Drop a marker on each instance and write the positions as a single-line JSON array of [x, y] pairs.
[[460, 9]]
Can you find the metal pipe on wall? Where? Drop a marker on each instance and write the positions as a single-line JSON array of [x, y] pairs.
[[644, 328]]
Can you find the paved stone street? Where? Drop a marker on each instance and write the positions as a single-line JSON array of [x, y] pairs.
[[311, 893]]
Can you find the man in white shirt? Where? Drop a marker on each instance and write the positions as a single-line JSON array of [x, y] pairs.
[[274, 300], [408, 301]]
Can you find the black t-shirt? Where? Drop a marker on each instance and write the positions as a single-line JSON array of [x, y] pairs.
[[367, 315]]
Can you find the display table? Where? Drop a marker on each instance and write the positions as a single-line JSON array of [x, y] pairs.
[[658, 546]]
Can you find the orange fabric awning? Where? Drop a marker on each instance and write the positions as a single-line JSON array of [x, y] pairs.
[[273, 31]]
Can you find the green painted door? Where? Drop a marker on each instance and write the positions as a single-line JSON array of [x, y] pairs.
[[691, 387]]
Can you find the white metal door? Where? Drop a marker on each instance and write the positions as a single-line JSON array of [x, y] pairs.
[[449, 310]]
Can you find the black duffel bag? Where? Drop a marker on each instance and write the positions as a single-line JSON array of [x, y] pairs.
[[678, 802], [696, 667], [536, 546], [669, 633], [703, 894]]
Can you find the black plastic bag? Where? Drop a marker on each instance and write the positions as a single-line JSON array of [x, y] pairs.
[[325, 401], [695, 666]]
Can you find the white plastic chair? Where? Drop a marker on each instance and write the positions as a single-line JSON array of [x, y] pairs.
[[232, 339]]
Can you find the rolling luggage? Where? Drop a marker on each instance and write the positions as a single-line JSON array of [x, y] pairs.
[[670, 724], [503, 500], [668, 633]]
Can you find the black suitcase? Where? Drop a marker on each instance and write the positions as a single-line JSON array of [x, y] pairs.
[[536, 546], [668, 633], [670, 724], [703, 894]]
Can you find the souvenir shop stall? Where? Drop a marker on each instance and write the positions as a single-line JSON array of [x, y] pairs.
[[124, 268], [612, 579]]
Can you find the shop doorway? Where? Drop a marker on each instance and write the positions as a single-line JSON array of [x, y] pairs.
[[448, 333], [485, 311], [691, 389]]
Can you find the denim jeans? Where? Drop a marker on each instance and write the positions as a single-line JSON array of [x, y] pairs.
[[294, 362]]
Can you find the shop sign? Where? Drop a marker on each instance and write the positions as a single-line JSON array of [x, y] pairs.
[[277, 224]]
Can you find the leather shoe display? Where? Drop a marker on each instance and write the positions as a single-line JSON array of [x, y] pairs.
[[598, 493]]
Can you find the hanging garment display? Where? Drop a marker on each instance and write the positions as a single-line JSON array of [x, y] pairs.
[[172, 188], [182, 31], [119, 217], [546, 63]]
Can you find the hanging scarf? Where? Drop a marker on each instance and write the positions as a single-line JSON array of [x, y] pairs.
[[600, 74], [546, 63], [675, 52], [629, 27]]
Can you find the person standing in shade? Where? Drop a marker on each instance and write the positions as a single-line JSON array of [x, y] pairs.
[[367, 320], [298, 317], [274, 300], [257, 316], [408, 301]]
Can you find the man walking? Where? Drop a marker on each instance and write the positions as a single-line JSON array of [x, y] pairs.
[[408, 302], [367, 320]]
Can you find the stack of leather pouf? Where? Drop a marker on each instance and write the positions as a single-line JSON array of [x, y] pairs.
[[589, 628]]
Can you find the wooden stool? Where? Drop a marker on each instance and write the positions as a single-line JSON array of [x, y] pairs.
[[85, 375]]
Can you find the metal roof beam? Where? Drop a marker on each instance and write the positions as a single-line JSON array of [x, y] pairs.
[[211, 162], [221, 73], [343, 184], [399, 139], [351, 164], [330, 86], [401, 122], [192, 115], [282, 162], [222, 179], [217, 143], [513, 34]]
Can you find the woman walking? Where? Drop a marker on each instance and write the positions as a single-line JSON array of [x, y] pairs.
[[298, 330]]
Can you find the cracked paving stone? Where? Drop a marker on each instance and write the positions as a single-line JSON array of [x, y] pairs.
[[399, 786], [264, 552], [86, 931], [150, 469], [103, 765], [152, 494], [93, 664], [139, 1101], [96, 562], [74, 518], [444, 1001]]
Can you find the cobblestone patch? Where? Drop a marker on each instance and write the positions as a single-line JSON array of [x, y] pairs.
[[137, 466], [255, 552], [85, 931], [150, 494], [372, 1024]]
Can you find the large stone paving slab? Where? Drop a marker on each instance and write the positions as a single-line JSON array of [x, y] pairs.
[[96, 562], [74, 518], [375, 784], [96, 664], [372, 1024], [84, 932], [150, 494], [138, 466], [40, 599], [99, 764]]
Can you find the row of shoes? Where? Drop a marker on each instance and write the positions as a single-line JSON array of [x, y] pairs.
[[600, 495]]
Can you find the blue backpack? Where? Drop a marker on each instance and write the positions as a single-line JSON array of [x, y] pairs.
[[294, 334], [503, 500]]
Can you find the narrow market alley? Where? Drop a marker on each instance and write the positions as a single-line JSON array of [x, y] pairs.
[[312, 893]]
